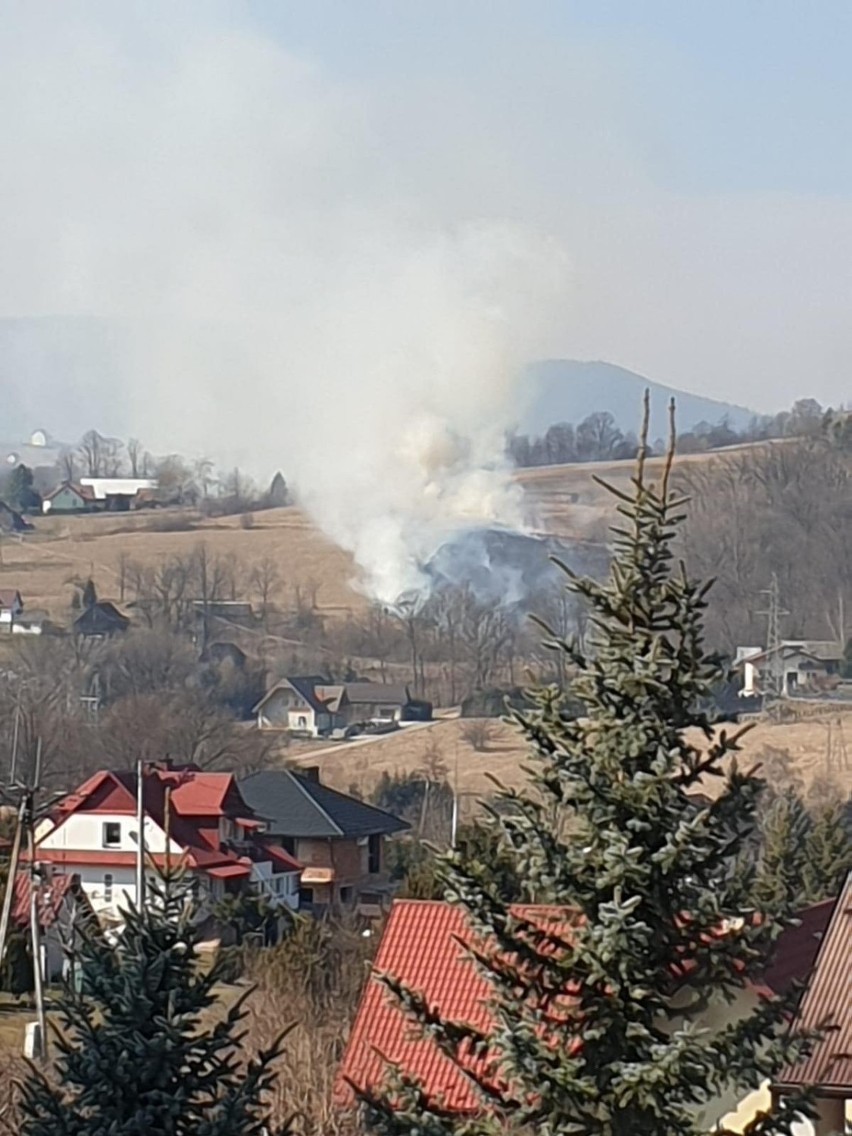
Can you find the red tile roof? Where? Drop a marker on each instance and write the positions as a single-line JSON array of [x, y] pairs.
[[196, 802], [828, 998], [797, 948], [418, 946], [423, 946], [50, 896]]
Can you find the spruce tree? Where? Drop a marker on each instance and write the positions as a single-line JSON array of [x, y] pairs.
[[90, 594], [784, 831], [828, 855], [596, 1016], [145, 1048]]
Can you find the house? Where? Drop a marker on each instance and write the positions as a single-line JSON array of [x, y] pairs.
[[375, 701], [68, 498], [339, 840], [311, 706], [62, 907], [100, 620], [11, 608], [117, 494], [828, 1069], [795, 666], [304, 705], [423, 945], [198, 818]]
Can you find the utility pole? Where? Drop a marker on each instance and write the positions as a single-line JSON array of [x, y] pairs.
[[140, 842], [35, 925], [773, 616]]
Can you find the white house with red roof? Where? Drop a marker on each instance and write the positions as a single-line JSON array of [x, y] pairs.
[[193, 817]]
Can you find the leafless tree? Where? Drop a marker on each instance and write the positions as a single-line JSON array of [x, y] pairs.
[[781, 508], [135, 453], [91, 453], [68, 465], [265, 579]]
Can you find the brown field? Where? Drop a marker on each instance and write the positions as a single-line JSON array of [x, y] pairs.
[[44, 564], [444, 745], [564, 500]]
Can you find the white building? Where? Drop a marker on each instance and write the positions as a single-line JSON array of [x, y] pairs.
[[93, 834], [11, 608]]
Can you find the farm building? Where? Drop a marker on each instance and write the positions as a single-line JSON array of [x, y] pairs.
[[68, 498], [117, 494]]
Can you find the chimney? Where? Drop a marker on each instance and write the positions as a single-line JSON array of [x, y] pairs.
[[311, 773]]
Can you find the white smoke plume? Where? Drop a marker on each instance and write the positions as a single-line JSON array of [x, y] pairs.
[[288, 296]]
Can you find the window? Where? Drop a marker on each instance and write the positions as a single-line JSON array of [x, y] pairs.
[[374, 854], [288, 843], [108, 888], [346, 894], [306, 897], [111, 834]]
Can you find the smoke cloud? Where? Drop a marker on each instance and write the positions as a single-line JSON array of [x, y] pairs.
[[286, 298]]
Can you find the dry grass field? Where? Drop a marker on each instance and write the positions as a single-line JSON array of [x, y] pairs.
[[44, 563], [563, 500], [443, 746]]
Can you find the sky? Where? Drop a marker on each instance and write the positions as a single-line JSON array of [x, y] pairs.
[[694, 158], [689, 163], [327, 237]]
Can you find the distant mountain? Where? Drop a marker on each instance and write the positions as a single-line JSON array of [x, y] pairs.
[[70, 373], [567, 390]]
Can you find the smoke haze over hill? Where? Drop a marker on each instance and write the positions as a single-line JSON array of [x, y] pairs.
[[280, 303]]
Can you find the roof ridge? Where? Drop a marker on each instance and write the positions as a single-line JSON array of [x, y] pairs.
[[302, 783], [349, 798]]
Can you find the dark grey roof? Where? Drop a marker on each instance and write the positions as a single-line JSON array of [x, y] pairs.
[[101, 618], [293, 805], [391, 693]]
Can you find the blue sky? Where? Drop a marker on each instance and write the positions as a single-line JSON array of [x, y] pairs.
[[730, 96]]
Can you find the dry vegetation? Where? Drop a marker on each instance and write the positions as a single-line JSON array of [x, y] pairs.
[[448, 742], [44, 564], [564, 500]]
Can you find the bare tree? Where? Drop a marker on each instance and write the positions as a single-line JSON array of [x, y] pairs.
[[265, 579], [68, 465], [91, 453], [135, 453]]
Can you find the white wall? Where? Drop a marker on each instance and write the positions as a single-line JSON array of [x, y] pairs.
[[278, 887], [84, 832], [92, 880]]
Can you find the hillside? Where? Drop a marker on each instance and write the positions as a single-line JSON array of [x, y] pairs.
[[568, 390], [564, 501], [444, 745]]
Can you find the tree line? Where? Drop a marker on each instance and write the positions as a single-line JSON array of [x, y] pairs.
[[181, 481], [598, 437]]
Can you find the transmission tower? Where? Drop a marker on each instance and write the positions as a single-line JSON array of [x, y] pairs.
[[836, 753], [774, 614]]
